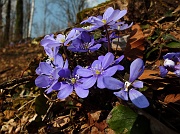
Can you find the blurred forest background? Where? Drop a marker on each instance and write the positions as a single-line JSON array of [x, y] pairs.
[[25, 19]]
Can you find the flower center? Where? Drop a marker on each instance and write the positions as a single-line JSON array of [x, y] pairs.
[[104, 21], [168, 62], [97, 72], [62, 40], [73, 80], [85, 46], [126, 85]]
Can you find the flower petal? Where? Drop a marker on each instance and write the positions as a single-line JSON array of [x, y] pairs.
[[42, 81], [95, 47], [84, 72], [108, 13], [45, 68], [110, 71], [65, 92], [122, 94], [163, 71], [138, 98], [112, 83], [88, 82], [138, 84], [100, 83], [136, 69], [107, 60], [81, 92]]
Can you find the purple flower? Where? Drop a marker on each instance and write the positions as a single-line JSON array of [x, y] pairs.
[[171, 63], [84, 43], [121, 26], [71, 82], [73, 34], [49, 73], [129, 87], [109, 17], [97, 71]]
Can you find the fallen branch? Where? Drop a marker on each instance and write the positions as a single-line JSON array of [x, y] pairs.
[[15, 81]]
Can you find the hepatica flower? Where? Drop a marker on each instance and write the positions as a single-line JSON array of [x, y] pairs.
[[48, 73], [98, 70], [171, 63], [109, 17], [128, 88], [84, 43], [70, 83], [63, 39]]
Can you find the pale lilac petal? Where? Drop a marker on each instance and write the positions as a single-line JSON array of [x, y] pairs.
[[110, 71], [65, 92], [60, 38], [138, 84], [120, 67], [108, 13], [125, 26], [96, 64], [95, 47], [88, 82], [177, 72], [117, 14], [177, 67], [122, 94], [42, 81], [84, 72], [58, 61], [81, 92], [45, 68], [119, 59], [100, 83], [112, 83], [101, 58], [50, 89], [107, 60], [138, 98], [163, 71], [55, 73], [136, 69]]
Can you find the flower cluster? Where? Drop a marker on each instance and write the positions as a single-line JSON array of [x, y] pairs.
[[57, 74], [171, 63]]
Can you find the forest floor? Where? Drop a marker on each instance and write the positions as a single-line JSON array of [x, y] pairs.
[[24, 108]]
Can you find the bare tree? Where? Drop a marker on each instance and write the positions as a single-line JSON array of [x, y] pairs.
[[69, 9], [19, 20], [31, 18], [7, 25], [2, 3]]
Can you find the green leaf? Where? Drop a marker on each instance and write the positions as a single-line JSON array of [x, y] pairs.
[[173, 45], [121, 119], [170, 37], [152, 50], [40, 105]]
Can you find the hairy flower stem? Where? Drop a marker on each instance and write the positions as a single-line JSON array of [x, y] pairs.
[[109, 42], [65, 52]]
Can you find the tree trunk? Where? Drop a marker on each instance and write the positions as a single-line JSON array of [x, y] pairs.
[[19, 21], [31, 18], [7, 26]]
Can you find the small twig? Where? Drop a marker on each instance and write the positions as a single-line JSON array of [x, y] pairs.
[[26, 104], [16, 81]]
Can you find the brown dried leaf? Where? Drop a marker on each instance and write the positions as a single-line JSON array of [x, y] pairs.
[[135, 47], [172, 98], [101, 125], [9, 113]]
